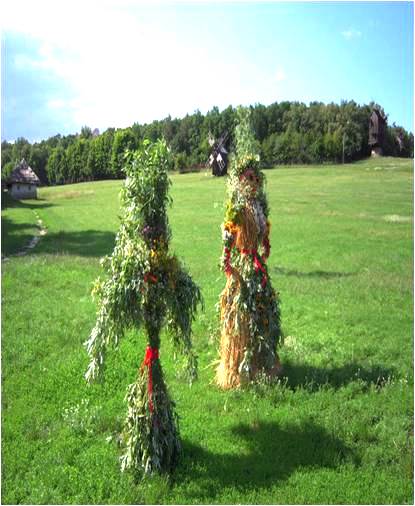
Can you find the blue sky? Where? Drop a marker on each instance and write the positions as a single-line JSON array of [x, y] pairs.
[[111, 63]]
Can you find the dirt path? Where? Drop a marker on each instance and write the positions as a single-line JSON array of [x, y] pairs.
[[35, 239]]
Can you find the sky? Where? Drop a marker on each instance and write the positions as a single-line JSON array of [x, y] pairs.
[[108, 63]]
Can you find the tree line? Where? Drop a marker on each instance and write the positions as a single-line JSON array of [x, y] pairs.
[[286, 132]]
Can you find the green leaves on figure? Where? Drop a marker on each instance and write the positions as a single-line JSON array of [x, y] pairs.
[[147, 287]]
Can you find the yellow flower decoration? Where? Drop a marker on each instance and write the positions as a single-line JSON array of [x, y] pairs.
[[231, 227]]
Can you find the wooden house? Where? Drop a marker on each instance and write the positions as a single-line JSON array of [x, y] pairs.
[[23, 182], [377, 127]]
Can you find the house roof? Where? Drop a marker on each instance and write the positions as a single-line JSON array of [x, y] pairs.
[[22, 173]]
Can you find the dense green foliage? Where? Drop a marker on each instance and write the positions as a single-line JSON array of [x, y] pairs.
[[287, 132], [338, 430]]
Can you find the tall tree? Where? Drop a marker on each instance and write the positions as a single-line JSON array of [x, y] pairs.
[[77, 159], [123, 140], [57, 166]]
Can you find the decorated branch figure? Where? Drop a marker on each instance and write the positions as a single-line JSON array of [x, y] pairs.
[[249, 306], [147, 287]]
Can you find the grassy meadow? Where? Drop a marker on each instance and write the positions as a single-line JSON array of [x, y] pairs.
[[338, 428]]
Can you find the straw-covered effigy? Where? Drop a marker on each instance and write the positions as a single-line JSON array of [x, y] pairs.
[[249, 306]]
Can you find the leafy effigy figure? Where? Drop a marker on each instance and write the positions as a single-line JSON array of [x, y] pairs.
[[146, 287], [249, 306]]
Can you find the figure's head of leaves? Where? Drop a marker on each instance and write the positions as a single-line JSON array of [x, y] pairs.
[[246, 180], [247, 148], [145, 195], [147, 182]]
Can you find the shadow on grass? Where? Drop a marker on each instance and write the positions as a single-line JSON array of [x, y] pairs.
[[8, 226], [312, 378], [88, 243], [8, 202], [313, 274], [272, 453], [14, 236]]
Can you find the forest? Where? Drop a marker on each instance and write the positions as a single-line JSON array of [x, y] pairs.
[[286, 132]]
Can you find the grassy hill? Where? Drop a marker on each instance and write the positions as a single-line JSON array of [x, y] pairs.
[[336, 429]]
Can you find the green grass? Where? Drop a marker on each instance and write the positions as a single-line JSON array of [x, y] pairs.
[[18, 224], [337, 429]]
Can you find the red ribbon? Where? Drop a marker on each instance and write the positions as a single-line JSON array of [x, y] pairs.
[[151, 355], [228, 268], [150, 277], [257, 263]]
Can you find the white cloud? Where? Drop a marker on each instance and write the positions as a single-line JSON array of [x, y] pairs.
[[56, 103], [280, 75], [351, 33], [121, 68]]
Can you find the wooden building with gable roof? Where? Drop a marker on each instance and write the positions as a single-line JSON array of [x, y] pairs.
[[377, 127], [23, 182]]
